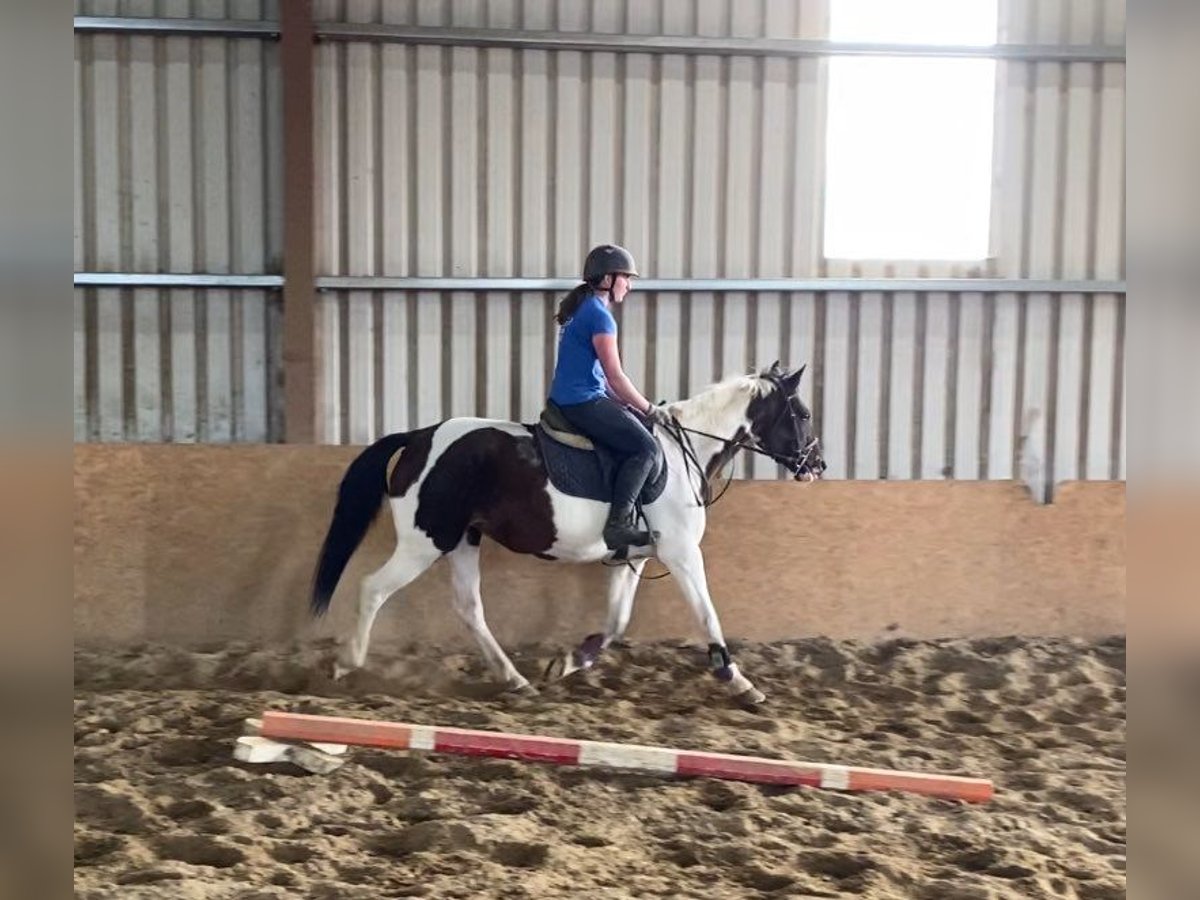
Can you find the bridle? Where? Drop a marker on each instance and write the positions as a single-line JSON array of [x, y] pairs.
[[796, 463]]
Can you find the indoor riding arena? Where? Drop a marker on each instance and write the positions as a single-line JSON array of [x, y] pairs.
[[302, 226]]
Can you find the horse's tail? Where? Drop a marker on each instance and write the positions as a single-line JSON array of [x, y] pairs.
[[359, 497]]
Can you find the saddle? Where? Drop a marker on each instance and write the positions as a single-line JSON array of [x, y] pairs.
[[581, 468]]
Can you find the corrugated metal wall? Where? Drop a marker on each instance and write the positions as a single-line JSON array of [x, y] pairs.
[[463, 161], [1059, 212], [506, 163], [431, 162], [469, 162], [178, 148]]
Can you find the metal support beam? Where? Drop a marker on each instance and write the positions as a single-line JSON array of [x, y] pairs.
[[609, 43], [677, 285], [219, 27], [718, 285], [299, 173], [707, 46], [176, 280]]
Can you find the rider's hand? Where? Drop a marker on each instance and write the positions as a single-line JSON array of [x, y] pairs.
[[658, 415]]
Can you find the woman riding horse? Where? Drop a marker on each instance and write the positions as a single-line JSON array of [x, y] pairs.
[[592, 391]]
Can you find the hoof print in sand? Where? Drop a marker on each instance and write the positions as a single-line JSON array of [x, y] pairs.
[[199, 851], [291, 853], [519, 855], [393, 766], [508, 804], [104, 808], [90, 848], [835, 864], [762, 880], [956, 889], [181, 810], [149, 876], [441, 836], [681, 854], [191, 752], [720, 797], [590, 839]]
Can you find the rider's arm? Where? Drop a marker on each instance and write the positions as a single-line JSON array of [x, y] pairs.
[[618, 382]]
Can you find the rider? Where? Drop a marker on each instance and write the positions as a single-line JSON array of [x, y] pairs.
[[594, 393]]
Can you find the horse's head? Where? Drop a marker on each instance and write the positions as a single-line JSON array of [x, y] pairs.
[[781, 425]]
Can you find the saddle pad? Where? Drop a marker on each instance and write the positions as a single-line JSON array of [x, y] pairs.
[[590, 473]]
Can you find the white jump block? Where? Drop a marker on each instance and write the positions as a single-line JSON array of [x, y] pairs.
[[318, 757]]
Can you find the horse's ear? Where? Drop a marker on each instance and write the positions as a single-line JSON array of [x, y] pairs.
[[792, 382], [775, 370]]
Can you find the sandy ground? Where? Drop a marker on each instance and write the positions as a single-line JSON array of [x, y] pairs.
[[162, 810]]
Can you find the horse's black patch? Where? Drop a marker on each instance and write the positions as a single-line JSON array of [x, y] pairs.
[[412, 461], [779, 420], [493, 483], [590, 474], [725, 455]]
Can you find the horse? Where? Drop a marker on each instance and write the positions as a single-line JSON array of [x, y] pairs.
[[450, 484]]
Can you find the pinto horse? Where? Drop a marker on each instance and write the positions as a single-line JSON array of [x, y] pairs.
[[451, 483]]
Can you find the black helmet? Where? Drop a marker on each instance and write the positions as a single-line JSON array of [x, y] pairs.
[[607, 259]]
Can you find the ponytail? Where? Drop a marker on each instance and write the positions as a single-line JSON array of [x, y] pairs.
[[570, 303]]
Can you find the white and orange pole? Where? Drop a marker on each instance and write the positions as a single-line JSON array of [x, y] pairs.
[[626, 757]]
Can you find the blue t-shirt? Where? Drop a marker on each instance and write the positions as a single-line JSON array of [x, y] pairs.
[[579, 377]]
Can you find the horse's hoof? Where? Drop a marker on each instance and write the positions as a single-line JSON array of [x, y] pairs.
[[523, 689], [340, 671], [560, 667], [752, 698]]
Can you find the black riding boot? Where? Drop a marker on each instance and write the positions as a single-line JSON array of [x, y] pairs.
[[621, 530]]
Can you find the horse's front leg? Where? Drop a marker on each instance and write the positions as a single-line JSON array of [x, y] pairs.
[[622, 585], [686, 563]]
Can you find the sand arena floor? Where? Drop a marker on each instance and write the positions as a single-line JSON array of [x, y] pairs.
[[163, 810]]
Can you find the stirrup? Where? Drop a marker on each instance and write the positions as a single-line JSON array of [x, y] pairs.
[[638, 539], [621, 554], [633, 536]]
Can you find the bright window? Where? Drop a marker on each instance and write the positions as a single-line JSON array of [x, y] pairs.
[[909, 140]]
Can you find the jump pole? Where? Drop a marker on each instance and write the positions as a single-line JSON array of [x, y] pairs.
[[625, 757]]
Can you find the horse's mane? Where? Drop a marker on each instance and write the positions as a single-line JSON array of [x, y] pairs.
[[712, 406]]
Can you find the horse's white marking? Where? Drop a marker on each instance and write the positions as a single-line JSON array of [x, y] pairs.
[[578, 525]]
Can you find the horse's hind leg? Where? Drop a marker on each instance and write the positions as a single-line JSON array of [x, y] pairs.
[[686, 563], [468, 603], [622, 585], [408, 560]]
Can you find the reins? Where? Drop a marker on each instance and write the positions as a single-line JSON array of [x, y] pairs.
[[680, 434]]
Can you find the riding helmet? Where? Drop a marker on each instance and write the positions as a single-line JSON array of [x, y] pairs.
[[606, 259]]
